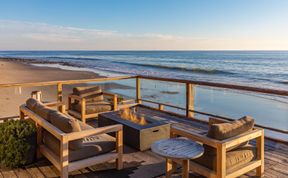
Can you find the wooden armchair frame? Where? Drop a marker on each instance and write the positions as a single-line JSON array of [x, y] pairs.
[[221, 147], [61, 162], [82, 115]]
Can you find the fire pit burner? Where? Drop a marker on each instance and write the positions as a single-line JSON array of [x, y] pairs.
[[140, 130]]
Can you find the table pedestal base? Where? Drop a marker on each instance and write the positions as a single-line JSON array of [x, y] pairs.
[[171, 167]]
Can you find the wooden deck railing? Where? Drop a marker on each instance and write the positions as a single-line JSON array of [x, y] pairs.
[[190, 84]]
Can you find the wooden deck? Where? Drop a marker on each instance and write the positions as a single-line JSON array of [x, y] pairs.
[[147, 164]]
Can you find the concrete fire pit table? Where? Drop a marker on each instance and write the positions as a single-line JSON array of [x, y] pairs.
[[178, 148]]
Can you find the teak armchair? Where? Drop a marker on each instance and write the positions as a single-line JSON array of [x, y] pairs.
[[62, 162], [84, 109], [221, 150]]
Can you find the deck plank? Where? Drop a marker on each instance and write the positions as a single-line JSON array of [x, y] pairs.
[[46, 168], [9, 173], [34, 171], [22, 173]]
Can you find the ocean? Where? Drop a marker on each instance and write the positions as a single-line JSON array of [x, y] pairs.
[[266, 69]]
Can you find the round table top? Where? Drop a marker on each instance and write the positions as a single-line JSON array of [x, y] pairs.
[[178, 148]]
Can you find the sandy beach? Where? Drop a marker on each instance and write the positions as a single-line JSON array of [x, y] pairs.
[[12, 71], [19, 72]]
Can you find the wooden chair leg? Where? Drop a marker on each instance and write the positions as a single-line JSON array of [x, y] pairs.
[[221, 161], [119, 149], [185, 168], [64, 157], [260, 171], [22, 115], [260, 155], [39, 140]]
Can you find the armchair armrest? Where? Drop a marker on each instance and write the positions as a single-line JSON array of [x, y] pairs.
[[96, 131], [114, 97], [253, 134], [61, 106], [75, 97], [109, 94], [227, 143], [181, 131], [53, 104]]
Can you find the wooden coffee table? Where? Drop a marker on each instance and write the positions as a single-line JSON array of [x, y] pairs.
[[178, 148]]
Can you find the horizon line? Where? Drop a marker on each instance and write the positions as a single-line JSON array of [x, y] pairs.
[[160, 50]]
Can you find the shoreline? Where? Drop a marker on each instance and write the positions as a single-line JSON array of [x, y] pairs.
[[18, 71], [14, 70], [60, 65]]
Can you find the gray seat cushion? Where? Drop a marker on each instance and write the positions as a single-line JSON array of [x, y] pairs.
[[93, 107], [234, 159], [91, 146]]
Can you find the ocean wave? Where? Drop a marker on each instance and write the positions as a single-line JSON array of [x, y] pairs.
[[75, 58], [283, 82], [178, 68], [270, 80]]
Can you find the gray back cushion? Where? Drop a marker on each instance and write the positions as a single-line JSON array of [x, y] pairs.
[[67, 125], [227, 130], [89, 93], [40, 109], [63, 122]]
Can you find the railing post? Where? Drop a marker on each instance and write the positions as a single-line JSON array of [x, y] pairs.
[[115, 102], [189, 99], [161, 107], [138, 90], [59, 94], [36, 95]]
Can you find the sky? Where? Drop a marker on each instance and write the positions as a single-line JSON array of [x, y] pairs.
[[144, 25]]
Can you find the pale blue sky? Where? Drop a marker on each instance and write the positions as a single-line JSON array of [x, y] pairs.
[[146, 24]]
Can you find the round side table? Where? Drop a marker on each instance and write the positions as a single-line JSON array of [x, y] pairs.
[[178, 148]]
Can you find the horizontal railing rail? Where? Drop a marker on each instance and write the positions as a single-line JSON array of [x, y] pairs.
[[216, 85], [210, 115], [64, 82], [221, 85]]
